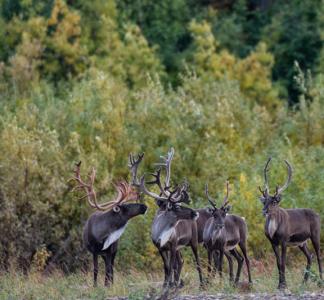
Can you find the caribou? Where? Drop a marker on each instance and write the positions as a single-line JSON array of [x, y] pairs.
[[203, 216], [174, 226], [289, 227], [222, 233], [104, 227]]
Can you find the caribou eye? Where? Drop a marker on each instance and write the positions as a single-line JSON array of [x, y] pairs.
[[116, 209], [209, 210]]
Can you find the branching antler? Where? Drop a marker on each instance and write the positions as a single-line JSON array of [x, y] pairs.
[[167, 165], [180, 192], [144, 190], [124, 190], [157, 181], [133, 165]]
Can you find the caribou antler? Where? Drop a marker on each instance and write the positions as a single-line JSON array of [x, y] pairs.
[[140, 183], [265, 174], [177, 195], [167, 164], [213, 201], [210, 199], [226, 201], [157, 181], [279, 190], [180, 192], [133, 165], [124, 190], [144, 190]]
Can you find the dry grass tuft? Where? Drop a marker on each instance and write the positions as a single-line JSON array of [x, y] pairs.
[[143, 285]]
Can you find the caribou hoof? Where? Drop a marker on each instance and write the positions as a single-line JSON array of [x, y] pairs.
[[282, 286], [181, 284], [205, 282]]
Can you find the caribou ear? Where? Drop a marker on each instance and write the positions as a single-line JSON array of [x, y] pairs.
[[209, 210], [227, 208], [159, 203], [277, 198], [116, 209], [195, 215], [262, 199]]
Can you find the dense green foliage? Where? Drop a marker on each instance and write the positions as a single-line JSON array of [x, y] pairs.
[[90, 81]]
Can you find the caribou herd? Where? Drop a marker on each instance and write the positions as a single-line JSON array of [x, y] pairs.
[[175, 225]]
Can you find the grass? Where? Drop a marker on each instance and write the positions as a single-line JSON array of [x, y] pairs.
[[139, 284]]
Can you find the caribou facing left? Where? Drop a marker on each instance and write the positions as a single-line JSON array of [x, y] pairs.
[[105, 226]]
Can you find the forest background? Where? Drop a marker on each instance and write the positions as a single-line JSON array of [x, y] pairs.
[[226, 83]]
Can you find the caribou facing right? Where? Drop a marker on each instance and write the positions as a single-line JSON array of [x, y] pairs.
[[289, 227], [105, 226]]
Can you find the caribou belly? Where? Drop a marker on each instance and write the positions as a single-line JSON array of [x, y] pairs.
[[230, 247], [298, 239], [296, 244]]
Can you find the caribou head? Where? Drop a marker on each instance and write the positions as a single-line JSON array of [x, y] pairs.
[[271, 202], [169, 201], [220, 213]]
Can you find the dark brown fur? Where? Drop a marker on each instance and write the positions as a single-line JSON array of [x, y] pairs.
[[289, 227]]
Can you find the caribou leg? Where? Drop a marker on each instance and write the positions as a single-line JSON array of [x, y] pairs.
[[113, 256], [220, 263], [308, 255], [247, 261], [230, 266], [276, 251], [195, 253], [240, 260], [177, 270], [215, 256], [210, 257], [172, 263], [316, 245], [95, 269], [166, 266], [108, 268], [282, 277]]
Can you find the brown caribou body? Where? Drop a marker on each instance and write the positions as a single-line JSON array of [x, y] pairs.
[[105, 226], [289, 227], [174, 226], [223, 233]]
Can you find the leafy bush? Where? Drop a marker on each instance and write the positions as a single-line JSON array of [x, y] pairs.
[[96, 91]]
